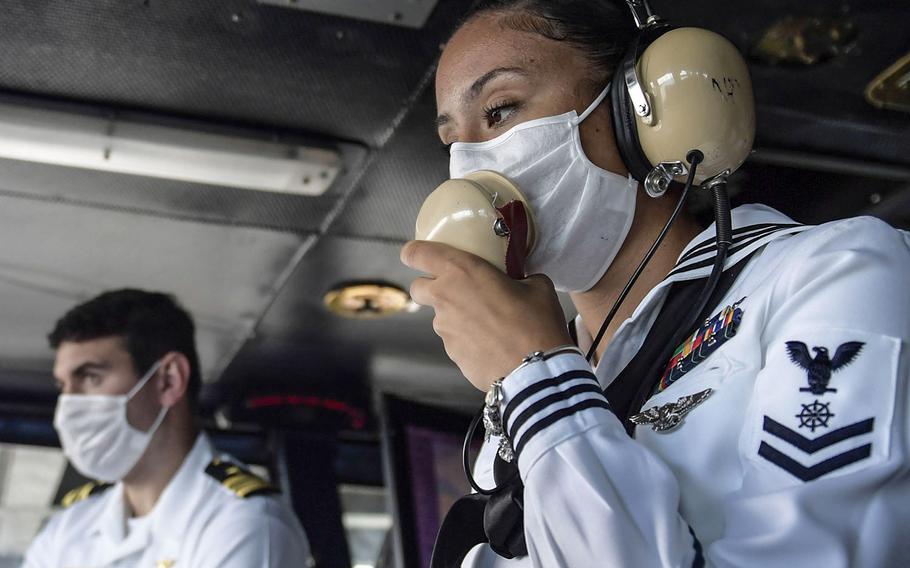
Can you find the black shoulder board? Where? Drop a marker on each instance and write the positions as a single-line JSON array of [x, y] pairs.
[[83, 492], [239, 480]]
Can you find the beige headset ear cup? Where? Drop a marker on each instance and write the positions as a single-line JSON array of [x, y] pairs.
[[701, 98]]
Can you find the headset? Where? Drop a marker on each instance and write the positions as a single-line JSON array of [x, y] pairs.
[[683, 111], [677, 90]]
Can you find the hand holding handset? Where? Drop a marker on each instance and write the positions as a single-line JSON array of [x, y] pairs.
[[484, 214]]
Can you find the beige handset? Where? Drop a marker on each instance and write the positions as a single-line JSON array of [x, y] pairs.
[[484, 214]]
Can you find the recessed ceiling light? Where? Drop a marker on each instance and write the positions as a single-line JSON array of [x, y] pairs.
[[368, 300]]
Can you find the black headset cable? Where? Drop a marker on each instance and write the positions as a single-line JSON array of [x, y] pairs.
[[723, 236], [694, 157]]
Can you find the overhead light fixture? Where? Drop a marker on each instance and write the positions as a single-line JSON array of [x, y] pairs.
[[368, 300], [163, 151]]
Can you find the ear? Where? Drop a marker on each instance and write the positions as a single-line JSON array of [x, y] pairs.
[[174, 378]]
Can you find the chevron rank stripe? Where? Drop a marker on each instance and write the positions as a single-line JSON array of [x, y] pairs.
[[812, 445], [805, 473], [825, 403]]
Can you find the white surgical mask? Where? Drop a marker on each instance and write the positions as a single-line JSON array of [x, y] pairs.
[[583, 212], [95, 433]]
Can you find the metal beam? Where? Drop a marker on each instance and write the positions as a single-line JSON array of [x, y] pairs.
[[833, 164]]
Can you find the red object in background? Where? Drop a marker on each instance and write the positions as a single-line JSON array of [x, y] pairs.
[[356, 417]]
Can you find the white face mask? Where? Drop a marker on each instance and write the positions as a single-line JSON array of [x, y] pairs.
[[95, 433], [583, 212]]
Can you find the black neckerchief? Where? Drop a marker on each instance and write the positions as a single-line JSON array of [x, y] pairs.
[[498, 519]]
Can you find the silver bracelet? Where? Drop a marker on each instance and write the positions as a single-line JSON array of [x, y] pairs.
[[492, 417], [492, 421], [538, 356]]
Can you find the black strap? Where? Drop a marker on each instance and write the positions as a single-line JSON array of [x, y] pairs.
[[503, 517], [498, 519], [460, 531]]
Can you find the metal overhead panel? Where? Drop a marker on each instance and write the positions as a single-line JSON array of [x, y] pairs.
[[394, 185], [226, 61], [300, 347], [55, 255], [407, 13]]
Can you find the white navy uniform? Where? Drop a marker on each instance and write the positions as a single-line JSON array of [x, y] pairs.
[[198, 522], [770, 469]]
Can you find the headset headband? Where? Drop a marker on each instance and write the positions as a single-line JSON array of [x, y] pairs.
[[642, 13], [676, 90]]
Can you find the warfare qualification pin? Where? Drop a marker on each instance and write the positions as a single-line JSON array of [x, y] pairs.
[[669, 416]]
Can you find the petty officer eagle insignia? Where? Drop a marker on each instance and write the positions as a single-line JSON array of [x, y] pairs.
[[819, 419], [821, 367]]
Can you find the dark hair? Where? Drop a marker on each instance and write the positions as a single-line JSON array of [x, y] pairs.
[[601, 29], [150, 323]]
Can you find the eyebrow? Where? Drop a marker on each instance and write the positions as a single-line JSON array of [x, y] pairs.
[[477, 87], [89, 366], [481, 82]]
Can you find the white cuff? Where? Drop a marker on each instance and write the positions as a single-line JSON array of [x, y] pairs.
[[548, 401]]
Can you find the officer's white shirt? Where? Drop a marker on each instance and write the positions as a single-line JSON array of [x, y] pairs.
[[197, 523], [764, 472]]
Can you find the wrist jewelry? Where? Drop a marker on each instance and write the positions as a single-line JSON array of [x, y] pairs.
[[492, 416], [536, 356], [492, 421]]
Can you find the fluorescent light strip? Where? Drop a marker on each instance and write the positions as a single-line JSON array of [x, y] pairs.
[[113, 145]]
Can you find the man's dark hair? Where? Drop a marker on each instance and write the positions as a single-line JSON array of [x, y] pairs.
[[151, 324], [602, 30]]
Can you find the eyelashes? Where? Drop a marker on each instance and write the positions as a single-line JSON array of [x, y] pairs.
[[499, 113], [493, 116]]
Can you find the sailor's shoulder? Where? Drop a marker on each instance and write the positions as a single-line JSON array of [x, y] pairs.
[[236, 479], [85, 492]]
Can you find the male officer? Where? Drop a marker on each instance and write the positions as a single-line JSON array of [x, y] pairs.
[[128, 375]]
